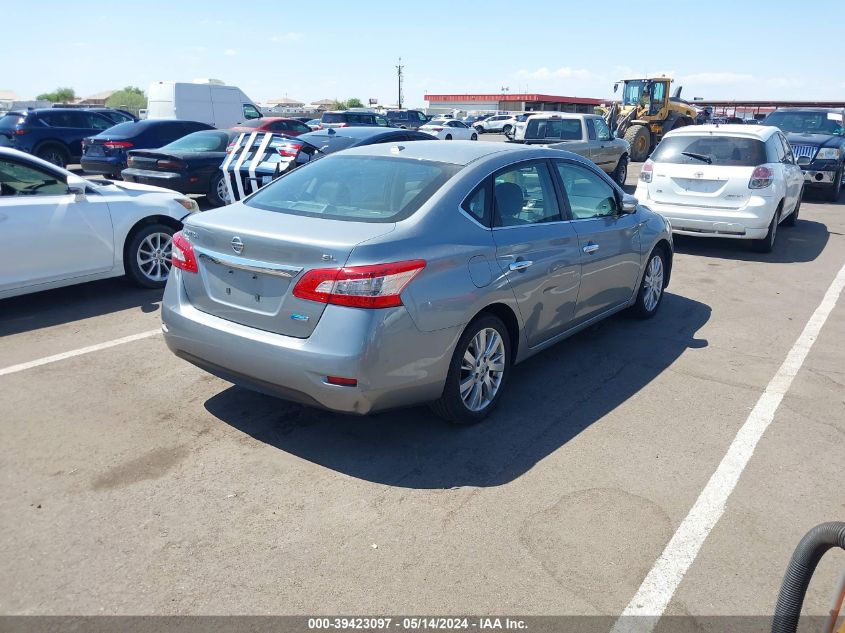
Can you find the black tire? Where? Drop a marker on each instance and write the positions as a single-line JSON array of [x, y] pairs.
[[451, 406], [474, 137], [55, 154], [131, 256], [834, 191], [793, 217], [479, 129], [448, 137], [645, 306], [213, 196], [621, 172], [767, 244], [506, 130], [639, 137]]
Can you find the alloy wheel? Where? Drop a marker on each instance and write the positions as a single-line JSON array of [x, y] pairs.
[[223, 190], [653, 283], [153, 256], [482, 369]]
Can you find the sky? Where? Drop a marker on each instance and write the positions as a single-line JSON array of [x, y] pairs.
[[332, 49]]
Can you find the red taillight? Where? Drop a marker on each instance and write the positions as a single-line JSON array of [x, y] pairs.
[[647, 171], [289, 149], [436, 129], [170, 164], [183, 256], [342, 382], [118, 144], [20, 131], [377, 286], [230, 147], [761, 177]]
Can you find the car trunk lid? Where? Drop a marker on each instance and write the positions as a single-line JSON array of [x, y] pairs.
[[714, 186], [250, 259]]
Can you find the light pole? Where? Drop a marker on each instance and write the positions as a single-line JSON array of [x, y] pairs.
[[399, 69]]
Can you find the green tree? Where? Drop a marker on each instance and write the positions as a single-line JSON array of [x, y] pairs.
[[59, 95], [354, 102], [339, 105], [130, 97]]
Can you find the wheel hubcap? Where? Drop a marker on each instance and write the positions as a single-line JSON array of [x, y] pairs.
[[482, 369], [653, 283], [154, 256], [223, 191]]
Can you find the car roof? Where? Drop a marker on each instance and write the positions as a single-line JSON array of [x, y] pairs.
[[762, 132], [455, 152]]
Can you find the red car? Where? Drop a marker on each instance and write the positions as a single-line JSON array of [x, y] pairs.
[[283, 125]]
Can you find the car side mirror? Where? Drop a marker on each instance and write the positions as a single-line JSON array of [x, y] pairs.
[[77, 186], [629, 204]]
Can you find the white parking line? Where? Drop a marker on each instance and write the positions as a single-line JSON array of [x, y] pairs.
[[77, 352], [660, 584]]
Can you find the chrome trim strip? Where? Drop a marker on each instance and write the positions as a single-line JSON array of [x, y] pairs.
[[251, 265]]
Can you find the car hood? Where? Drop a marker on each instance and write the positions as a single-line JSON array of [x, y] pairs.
[[816, 140], [133, 189]]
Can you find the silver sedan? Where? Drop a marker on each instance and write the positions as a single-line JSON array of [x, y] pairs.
[[393, 275]]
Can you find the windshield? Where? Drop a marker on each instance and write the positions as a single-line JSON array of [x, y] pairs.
[[200, 142], [557, 129], [8, 121], [331, 117], [714, 150], [809, 122], [355, 188], [633, 92]]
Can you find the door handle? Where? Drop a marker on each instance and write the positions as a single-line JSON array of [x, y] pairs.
[[590, 248], [520, 265]]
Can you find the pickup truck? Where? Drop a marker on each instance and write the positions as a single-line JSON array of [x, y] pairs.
[[584, 134]]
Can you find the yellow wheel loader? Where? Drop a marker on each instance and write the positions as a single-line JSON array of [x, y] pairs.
[[647, 112]]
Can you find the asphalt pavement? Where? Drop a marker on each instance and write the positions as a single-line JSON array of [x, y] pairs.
[[135, 483]]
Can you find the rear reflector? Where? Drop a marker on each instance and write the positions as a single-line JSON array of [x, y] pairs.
[[182, 255], [342, 382], [377, 286]]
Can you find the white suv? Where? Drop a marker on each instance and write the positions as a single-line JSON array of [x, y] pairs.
[[733, 181], [498, 123]]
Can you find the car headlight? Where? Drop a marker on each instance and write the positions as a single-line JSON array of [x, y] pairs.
[[828, 153], [190, 205]]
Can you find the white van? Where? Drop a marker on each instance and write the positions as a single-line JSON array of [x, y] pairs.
[[207, 100]]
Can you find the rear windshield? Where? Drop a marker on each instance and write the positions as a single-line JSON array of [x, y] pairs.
[[8, 121], [130, 128], [200, 142], [331, 117], [807, 122], [562, 129], [715, 150], [328, 143], [355, 188]]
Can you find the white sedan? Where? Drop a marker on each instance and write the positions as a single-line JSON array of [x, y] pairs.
[[59, 229], [736, 181], [449, 129]]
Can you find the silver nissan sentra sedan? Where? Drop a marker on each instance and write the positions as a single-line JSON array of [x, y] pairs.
[[393, 275]]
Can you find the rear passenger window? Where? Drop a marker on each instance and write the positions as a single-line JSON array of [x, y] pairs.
[[525, 195], [476, 205], [589, 195]]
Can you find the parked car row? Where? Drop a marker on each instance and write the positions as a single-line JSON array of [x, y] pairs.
[[391, 273]]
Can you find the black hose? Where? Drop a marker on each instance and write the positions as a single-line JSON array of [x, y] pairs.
[[804, 560]]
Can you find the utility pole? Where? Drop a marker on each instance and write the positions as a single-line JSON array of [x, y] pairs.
[[399, 69]]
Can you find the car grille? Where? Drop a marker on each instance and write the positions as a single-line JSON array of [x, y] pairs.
[[807, 152]]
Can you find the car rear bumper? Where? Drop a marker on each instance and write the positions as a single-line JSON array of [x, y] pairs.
[[167, 179], [748, 222], [103, 165], [394, 363]]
